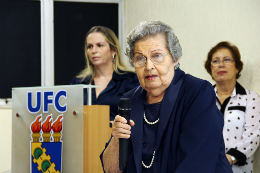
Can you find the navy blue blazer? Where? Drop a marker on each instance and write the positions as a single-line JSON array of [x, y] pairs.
[[189, 138], [119, 84]]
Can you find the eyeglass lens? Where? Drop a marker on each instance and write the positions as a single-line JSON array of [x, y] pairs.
[[140, 60]]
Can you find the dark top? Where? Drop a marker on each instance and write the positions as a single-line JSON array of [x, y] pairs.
[[189, 137], [152, 112], [111, 95]]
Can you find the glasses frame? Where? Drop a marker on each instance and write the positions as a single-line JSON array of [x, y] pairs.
[[222, 61], [164, 55]]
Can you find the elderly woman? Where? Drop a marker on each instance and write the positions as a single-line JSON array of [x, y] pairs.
[[175, 125], [105, 68], [239, 106]]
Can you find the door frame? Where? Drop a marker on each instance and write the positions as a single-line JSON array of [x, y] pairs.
[[47, 35]]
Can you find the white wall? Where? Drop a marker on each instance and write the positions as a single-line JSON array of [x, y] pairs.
[[200, 25], [5, 139]]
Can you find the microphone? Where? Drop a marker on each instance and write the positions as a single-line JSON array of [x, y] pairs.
[[124, 110]]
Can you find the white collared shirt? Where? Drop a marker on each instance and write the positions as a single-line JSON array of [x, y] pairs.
[[241, 124]]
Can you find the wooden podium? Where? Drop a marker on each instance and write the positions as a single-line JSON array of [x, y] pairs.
[[96, 133]]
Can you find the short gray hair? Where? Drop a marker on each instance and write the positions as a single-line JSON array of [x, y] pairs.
[[151, 28]]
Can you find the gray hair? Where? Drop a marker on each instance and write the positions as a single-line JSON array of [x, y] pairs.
[[151, 28]]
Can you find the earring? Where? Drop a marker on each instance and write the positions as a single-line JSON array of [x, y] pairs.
[[90, 63], [177, 66], [113, 58]]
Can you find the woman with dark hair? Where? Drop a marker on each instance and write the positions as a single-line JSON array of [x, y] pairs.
[[105, 68], [239, 106], [175, 124]]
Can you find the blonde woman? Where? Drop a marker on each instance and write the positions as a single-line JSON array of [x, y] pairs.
[[105, 68]]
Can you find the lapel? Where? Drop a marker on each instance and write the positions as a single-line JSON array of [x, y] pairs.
[[116, 77], [110, 85], [137, 131], [137, 113], [168, 104]]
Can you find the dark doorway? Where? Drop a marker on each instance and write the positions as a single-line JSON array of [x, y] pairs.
[[72, 20], [20, 45]]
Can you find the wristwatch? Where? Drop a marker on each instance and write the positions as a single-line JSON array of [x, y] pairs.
[[234, 160]]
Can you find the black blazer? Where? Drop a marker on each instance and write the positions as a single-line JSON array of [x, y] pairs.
[[189, 138], [111, 95]]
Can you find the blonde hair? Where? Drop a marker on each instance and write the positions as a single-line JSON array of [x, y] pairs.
[[114, 45]]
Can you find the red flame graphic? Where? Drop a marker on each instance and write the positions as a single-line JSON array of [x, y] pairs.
[[57, 125], [36, 126], [46, 126]]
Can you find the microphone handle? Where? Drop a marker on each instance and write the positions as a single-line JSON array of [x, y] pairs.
[[123, 143]]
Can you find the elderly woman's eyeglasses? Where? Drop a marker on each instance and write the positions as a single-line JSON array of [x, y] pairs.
[[226, 60], [140, 60]]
